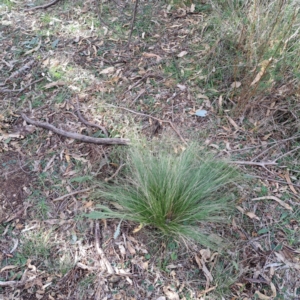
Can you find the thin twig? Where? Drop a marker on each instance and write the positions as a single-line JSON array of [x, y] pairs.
[[154, 118], [28, 85], [142, 92], [101, 19], [276, 142], [262, 153], [133, 21], [275, 180], [99, 250], [19, 91], [287, 153], [42, 6], [82, 119], [72, 194], [77, 136], [264, 163], [253, 163], [115, 174], [16, 283]]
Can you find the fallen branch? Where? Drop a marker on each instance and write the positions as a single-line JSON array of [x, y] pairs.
[[42, 6], [154, 118], [77, 136]]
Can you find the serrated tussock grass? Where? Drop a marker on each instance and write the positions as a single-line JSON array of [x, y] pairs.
[[172, 193], [255, 43]]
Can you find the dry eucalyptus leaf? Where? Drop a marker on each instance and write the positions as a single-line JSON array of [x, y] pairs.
[[108, 70], [53, 84], [235, 84], [182, 53], [282, 203], [170, 294], [250, 214]]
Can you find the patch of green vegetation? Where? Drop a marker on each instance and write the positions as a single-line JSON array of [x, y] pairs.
[[35, 245], [225, 274], [45, 19], [61, 97], [38, 101], [143, 21], [42, 209], [8, 4], [172, 68], [56, 73], [263, 191], [85, 285], [172, 193], [65, 263]]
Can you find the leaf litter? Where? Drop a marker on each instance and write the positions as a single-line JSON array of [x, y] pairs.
[[151, 79]]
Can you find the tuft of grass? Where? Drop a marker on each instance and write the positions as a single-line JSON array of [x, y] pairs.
[[255, 43], [172, 193], [36, 246]]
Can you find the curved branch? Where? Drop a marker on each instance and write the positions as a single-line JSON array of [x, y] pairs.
[[76, 136], [84, 121], [42, 6]]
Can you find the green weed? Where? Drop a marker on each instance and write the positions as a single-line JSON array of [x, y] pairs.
[[171, 193]]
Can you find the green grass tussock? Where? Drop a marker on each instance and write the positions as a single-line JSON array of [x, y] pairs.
[[172, 193]]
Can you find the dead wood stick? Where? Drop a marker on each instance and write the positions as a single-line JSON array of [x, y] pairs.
[[115, 174], [76, 136], [84, 121], [253, 163], [99, 250], [42, 6], [101, 19], [264, 163], [16, 283], [271, 143], [133, 21], [28, 85], [154, 118], [19, 91], [72, 194], [275, 180]]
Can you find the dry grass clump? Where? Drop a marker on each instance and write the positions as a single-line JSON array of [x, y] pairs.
[[173, 193], [256, 45]]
